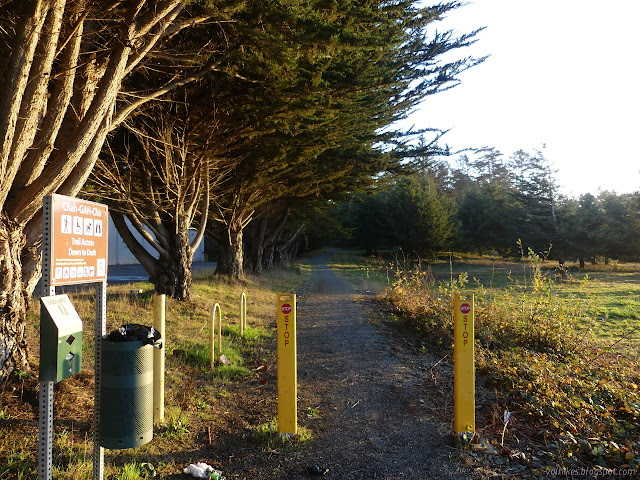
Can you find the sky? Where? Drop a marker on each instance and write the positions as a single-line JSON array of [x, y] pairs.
[[562, 73]]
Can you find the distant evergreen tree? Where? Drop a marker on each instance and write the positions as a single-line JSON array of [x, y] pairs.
[[618, 234], [487, 220], [564, 247], [587, 228], [534, 194], [364, 220], [416, 216], [491, 168]]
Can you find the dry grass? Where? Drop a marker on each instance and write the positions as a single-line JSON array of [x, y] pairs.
[[201, 405]]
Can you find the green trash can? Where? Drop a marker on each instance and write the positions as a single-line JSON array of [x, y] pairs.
[[126, 394]]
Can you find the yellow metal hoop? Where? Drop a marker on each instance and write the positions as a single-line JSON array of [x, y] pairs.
[[243, 313], [216, 308]]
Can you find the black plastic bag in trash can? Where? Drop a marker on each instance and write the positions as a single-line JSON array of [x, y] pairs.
[[134, 332]]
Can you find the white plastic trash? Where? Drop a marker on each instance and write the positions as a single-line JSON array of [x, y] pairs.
[[203, 470]]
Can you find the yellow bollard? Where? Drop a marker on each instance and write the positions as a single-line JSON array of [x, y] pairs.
[[464, 405], [243, 313], [212, 335], [287, 366], [158, 358]]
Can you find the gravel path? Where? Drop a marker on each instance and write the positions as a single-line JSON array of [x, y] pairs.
[[369, 416]]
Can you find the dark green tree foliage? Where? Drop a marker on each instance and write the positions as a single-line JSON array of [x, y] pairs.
[[363, 221], [482, 187], [410, 214], [620, 228], [534, 194], [323, 80], [487, 220], [507, 200], [417, 217], [603, 226], [566, 240], [589, 220], [492, 169], [502, 202]]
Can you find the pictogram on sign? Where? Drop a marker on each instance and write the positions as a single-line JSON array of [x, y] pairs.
[[465, 308]]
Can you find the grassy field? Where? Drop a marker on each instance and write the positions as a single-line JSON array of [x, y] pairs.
[[606, 298], [200, 403]]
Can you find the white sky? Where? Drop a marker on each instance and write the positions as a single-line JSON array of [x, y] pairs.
[[565, 73]]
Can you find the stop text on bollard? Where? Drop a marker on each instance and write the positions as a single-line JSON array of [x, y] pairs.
[[464, 366], [287, 365]]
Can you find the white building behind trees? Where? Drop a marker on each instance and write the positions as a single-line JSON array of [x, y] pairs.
[[119, 254]]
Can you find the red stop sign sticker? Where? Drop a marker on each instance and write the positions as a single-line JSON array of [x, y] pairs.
[[286, 308], [465, 308]]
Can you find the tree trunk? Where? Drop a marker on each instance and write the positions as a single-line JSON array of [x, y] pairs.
[[581, 260], [268, 257], [267, 240], [289, 250], [288, 254], [14, 300], [230, 258], [58, 103], [174, 273], [170, 273], [564, 274], [259, 246]]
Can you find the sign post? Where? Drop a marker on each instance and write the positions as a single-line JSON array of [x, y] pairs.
[[287, 366], [45, 413], [100, 331], [74, 251], [463, 366]]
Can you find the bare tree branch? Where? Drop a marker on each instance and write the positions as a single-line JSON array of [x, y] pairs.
[[162, 22], [34, 97], [61, 94], [203, 217], [13, 90]]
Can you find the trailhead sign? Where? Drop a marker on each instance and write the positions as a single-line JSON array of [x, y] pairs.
[[78, 241]]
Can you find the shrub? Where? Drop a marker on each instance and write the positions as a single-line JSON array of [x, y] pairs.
[[578, 405]]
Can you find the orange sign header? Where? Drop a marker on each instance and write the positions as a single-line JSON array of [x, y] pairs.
[[78, 241]]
